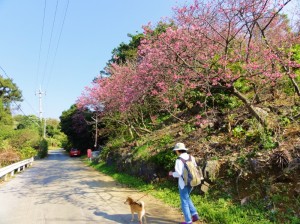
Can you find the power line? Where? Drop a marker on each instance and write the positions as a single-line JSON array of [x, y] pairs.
[[41, 41], [51, 34], [18, 106], [4, 72], [61, 29]]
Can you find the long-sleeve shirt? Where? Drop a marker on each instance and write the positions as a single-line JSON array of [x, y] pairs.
[[179, 167]]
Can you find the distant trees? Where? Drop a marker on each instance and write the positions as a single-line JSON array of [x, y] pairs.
[[20, 136], [73, 123], [30, 122]]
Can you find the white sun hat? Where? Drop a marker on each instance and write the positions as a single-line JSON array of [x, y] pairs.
[[179, 146]]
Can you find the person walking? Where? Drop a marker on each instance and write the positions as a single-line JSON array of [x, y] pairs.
[[189, 211]]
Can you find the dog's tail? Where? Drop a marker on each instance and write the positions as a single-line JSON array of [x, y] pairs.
[[142, 204]]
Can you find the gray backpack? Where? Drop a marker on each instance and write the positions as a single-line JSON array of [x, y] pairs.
[[192, 175]]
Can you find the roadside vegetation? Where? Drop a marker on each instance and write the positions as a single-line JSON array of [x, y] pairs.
[[211, 209], [21, 136]]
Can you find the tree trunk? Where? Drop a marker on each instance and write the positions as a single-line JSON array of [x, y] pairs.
[[295, 86], [250, 107]]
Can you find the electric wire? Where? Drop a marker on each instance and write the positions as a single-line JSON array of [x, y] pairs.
[[50, 42], [18, 106], [41, 42], [59, 37], [42, 39]]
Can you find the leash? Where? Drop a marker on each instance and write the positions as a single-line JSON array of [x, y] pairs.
[[141, 197]]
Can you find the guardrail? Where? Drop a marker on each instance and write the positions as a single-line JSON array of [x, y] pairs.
[[16, 166]]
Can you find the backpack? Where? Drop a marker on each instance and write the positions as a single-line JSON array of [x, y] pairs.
[[192, 175]]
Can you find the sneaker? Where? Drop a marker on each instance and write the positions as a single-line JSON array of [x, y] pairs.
[[195, 218]]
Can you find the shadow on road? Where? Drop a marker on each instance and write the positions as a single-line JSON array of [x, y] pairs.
[[127, 218], [62, 181]]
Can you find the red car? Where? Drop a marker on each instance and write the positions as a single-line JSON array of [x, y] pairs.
[[74, 152]]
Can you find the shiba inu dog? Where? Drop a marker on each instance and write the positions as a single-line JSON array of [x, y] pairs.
[[136, 207]]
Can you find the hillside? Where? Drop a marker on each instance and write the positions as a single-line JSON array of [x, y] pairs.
[[243, 161]]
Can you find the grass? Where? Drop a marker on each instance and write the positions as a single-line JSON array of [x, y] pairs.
[[212, 210]]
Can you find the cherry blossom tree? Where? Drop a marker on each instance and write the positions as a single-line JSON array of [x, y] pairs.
[[211, 46], [216, 44]]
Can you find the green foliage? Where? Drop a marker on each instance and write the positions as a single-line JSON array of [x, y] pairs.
[[225, 211], [20, 141], [74, 125], [43, 149], [54, 143], [161, 28], [267, 141], [287, 86], [116, 126], [66, 144], [122, 178], [296, 52], [241, 160], [28, 152], [126, 52], [165, 159], [238, 131], [5, 115], [27, 122], [25, 138], [295, 110], [257, 134], [284, 121], [6, 131], [193, 96], [188, 128], [224, 100], [242, 85], [54, 136], [116, 143], [3, 144], [165, 140], [104, 152], [52, 128], [142, 151], [253, 136], [163, 117], [9, 92]]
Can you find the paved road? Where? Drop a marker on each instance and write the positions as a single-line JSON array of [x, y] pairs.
[[60, 189]]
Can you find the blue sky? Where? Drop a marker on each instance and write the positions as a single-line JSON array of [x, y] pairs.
[[62, 65]]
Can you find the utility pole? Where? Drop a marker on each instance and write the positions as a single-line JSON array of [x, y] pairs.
[[96, 132], [44, 132], [40, 94]]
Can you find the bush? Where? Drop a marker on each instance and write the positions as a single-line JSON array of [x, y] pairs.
[[25, 138], [164, 159], [43, 149], [28, 152]]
